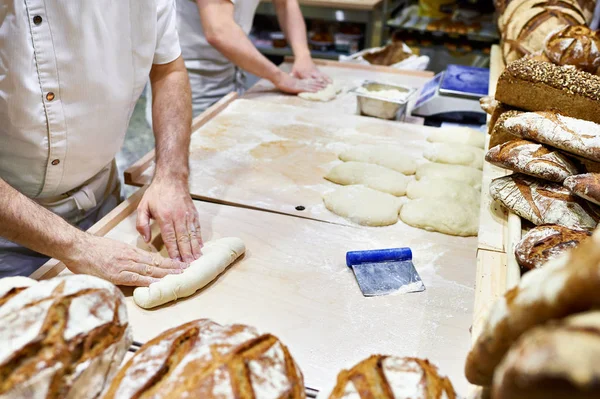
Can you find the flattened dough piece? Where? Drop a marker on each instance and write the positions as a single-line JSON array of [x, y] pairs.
[[390, 157], [327, 94], [370, 175], [443, 188], [458, 135], [469, 175], [217, 255], [363, 205], [444, 215], [455, 154]]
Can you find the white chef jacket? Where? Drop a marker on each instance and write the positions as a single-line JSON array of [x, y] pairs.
[[212, 75], [71, 72]]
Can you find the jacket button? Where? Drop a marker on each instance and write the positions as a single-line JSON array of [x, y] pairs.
[[37, 20], [55, 162], [50, 96]]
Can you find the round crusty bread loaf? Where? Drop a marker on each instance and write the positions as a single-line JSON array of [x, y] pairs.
[[526, 24], [574, 45], [558, 360], [391, 377], [61, 338], [546, 242], [202, 359]]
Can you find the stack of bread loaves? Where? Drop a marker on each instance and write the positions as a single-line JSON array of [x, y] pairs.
[[545, 127], [542, 338]]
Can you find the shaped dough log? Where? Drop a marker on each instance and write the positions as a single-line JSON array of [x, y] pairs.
[[327, 94], [373, 176], [458, 135], [466, 174], [455, 154], [383, 155], [217, 255]]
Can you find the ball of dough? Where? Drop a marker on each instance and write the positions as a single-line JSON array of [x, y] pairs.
[[466, 174], [327, 94], [389, 157], [363, 205], [455, 154], [443, 188], [370, 175], [443, 215], [458, 135]]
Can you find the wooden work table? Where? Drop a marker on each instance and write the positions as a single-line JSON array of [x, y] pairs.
[[347, 76], [293, 282]]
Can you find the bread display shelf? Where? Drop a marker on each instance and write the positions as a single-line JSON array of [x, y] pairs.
[[293, 282]]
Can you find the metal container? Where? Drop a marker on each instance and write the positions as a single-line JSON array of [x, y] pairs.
[[370, 104]]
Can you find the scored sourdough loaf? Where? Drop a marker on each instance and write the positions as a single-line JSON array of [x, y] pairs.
[[586, 186], [532, 159], [558, 360], [575, 136], [543, 202], [498, 136], [546, 242], [566, 285], [391, 377], [202, 359], [574, 45], [534, 85], [61, 338]]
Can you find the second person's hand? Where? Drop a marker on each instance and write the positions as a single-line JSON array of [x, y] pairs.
[[292, 85]]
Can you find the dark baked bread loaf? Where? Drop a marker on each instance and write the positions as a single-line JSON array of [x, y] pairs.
[[390, 377], [11, 286], [542, 86], [62, 338], [533, 159], [525, 24], [575, 45], [498, 136], [571, 135], [389, 55], [543, 202], [546, 242], [586, 186], [558, 360], [202, 359]]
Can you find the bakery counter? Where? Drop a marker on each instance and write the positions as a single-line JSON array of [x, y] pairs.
[[293, 282], [346, 76]]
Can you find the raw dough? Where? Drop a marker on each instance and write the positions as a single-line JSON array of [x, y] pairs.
[[327, 94], [363, 205], [390, 157], [458, 135], [469, 175], [217, 255], [373, 176], [442, 188], [445, 215], [455, 154]]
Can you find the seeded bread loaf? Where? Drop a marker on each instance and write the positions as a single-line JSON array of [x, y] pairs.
[[574, 136], [542, 86], [586, 186], [546, 242], [543, 202], [532, 159], [390, 377], [500, 136], [202, 359], [62, 338], [566, 285], [558, 360]]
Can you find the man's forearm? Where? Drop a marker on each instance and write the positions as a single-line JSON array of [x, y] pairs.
[[292, 23], [171, 120], [30, 225]]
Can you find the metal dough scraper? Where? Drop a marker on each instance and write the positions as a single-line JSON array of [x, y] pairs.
[[384, 271]]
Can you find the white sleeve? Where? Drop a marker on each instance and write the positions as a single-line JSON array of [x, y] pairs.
[[167, 39]]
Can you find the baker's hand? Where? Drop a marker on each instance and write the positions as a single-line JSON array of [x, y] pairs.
[[170, 204], [305, 68], [290, 84], [120, 263]]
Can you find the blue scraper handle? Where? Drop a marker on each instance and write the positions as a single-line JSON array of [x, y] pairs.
[[378, 255]]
